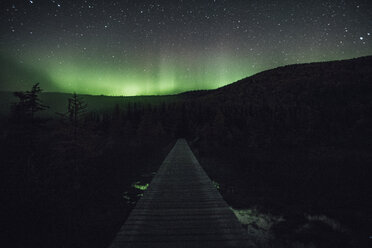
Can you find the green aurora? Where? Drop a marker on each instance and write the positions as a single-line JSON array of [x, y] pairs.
[[128, 48], [164, 75]]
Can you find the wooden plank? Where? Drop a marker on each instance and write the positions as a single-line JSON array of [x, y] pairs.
[[181, 208]]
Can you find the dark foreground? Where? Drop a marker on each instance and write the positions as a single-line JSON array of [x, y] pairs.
[[288, 148]]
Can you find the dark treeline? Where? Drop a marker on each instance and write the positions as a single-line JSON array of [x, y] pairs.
[[293, 140], [63, 177]]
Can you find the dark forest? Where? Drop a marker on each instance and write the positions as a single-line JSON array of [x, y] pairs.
[[293, 142]]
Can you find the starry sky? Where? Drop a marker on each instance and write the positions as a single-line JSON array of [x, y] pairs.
[[134, 47]]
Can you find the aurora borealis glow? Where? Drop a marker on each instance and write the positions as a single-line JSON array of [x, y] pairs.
[[164, 47]]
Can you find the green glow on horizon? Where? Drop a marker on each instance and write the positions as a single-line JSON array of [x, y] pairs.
[[168, 76], [122, 50], [152, 75]]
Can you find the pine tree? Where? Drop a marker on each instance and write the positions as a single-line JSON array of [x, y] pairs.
[[28, 105], [23, 114], [26, 126], [76, 110], [73, 118]]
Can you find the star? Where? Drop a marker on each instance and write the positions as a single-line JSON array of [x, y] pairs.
[[207, 34]]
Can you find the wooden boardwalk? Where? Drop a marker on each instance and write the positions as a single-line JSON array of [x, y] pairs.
[[181, 208]]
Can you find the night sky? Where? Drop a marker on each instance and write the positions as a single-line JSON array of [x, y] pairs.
[[162, 47]]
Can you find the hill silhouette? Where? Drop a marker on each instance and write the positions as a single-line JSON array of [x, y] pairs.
[[293, 141], [297, 82], [296, 140]]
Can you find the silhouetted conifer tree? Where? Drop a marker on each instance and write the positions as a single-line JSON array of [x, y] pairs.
[[29, 102], [25, 124], [23, 111], [76, 110]]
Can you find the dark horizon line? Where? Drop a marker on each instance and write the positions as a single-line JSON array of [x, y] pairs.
[[199, 90]]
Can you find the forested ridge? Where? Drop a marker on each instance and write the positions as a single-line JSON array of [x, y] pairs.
[[293, 139]]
